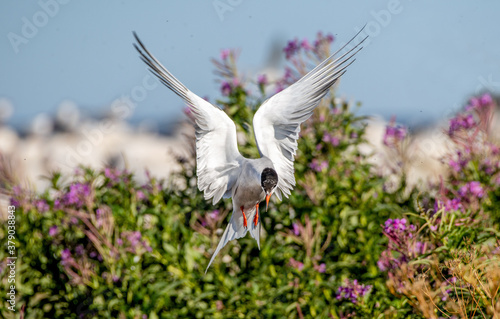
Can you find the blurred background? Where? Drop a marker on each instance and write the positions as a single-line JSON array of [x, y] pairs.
[[73, 90]]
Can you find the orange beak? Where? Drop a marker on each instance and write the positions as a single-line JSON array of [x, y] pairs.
[[268, 196]]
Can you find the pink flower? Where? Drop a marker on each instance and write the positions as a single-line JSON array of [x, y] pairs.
[[461, 122], [226, 88], [53, 231], [262, 79], [320, 268], [305, 45], [291, 49], [394, 134], [318, 166], [296, 264], [352, 291], [472, 188], [224, 54], [41, 205]]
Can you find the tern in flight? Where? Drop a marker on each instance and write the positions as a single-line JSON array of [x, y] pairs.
[[222, 171]]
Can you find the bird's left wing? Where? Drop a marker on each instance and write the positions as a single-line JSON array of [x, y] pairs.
[[217, 155], [277, 122]]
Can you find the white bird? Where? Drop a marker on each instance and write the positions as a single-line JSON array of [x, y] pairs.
[[222, 171]]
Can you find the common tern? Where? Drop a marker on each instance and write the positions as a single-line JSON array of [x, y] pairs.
[[222, 171]]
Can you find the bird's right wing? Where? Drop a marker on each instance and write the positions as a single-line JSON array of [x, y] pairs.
[[217, 155]]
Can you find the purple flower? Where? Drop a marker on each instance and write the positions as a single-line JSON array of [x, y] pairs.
[[41, 205], [224, 54], [318, 166], [140, 195], [320, 268], [478, 102], [327, 138], [472, 188], [296, 229], [322, 40], [214, 214], [460, 163], [226, 88], [66, 256], [461, 122], [291, 49], [53, 231], [385, 261], [135, 241], [399, 231], [305, 45], [262, 79], [394, 134], [76, 195], [296, 264], [448, 204], [79, 250], [352, 291], [115, 175]]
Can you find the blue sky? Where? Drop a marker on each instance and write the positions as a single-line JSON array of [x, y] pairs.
[[424, 60]]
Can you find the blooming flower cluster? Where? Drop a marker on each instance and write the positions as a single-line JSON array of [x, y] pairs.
[[397, 229], [471, 189], [461, 122], [76, 196], [468, 193], [295, 46], [41, 205], [321, 268], [458, 163], [133, 242], [479, 102], [227, 70], [329, 138], [226, 88], [448, 204], [402, 240], [394, 134], [352, 291], [296, 264], [318, 166]]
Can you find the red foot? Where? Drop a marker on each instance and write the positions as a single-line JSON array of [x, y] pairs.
[[244, 217], [256, 218]]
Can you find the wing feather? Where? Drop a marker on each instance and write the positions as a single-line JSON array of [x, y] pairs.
[[277, 122], [217, 155]]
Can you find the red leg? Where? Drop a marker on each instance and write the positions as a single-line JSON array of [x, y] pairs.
[[244, 217], [256, 218]]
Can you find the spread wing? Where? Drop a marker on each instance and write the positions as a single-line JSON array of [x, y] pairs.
[[217, 154], [277, 122]]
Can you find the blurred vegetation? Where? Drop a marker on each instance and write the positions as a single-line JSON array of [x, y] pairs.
[[98, 245]]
